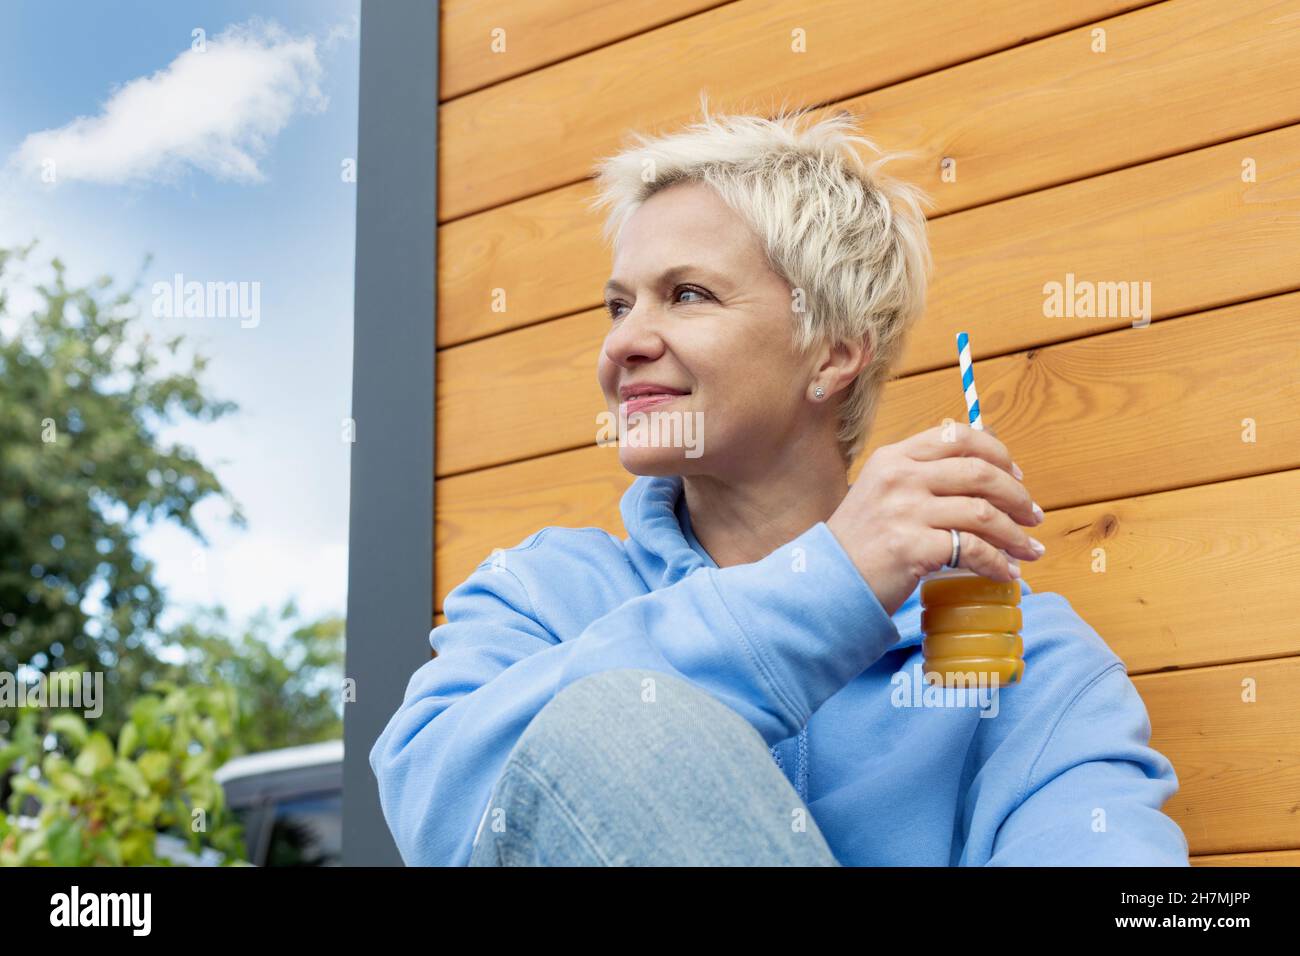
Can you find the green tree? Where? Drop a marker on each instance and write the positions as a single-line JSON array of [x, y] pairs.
[[83, 471], [288, 674]]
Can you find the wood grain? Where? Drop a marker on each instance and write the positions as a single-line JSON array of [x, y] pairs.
[[543, 130], [1265, 858], [1187, 226], [1238, 762], [1185, 578], [1130, 412], [538, 33]]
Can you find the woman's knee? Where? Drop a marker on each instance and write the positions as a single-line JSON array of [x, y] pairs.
[[640, 765], [586, 771], [638, 707]]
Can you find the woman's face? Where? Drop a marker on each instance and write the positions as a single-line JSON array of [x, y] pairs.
[[696, 307]]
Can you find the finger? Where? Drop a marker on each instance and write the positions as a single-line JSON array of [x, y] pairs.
[[976, 555], [958, 439], [977, 478], [982, 519]]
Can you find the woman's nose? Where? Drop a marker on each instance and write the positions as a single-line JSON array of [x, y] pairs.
[[634, 337]]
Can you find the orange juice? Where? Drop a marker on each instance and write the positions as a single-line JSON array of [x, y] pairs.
[[971, 626]]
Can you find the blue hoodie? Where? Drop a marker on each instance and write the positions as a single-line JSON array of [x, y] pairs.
[[1056, 770]]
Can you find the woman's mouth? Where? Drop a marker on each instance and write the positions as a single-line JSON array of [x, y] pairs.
[[641, 402]]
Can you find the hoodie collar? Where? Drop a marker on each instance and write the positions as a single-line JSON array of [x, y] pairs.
[[664, 549], [656, 545]]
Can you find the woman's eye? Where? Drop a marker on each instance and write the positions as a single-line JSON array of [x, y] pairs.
[[700, 292], [614, 305]]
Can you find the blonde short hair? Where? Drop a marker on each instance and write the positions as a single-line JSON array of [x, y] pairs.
[[853, 240]]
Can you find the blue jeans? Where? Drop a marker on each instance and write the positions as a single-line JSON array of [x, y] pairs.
[[641, 768]]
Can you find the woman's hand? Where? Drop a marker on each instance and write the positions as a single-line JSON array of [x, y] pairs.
[[895, 518]]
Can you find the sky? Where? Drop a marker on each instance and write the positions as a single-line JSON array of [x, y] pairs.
[[226, 156]]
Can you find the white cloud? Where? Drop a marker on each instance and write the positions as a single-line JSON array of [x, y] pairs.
[[215, 110], [245, 572], [342, 32]]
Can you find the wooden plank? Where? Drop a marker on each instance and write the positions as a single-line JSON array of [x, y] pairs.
[[543, 130], [1187, 225], [1084, 114], [538, 33], [1130, 412], [499, 507], [1237, 759], [1185, 578], [520, 395], [1174, 77], [1266, 858], [518, 264], [559, 223]]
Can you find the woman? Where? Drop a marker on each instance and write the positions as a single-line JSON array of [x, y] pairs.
[[606, 701]]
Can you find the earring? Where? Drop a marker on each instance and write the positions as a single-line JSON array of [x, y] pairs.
[[819, 391]]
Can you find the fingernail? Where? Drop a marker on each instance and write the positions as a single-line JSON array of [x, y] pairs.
[[1038, 513], [1015, 470], [1014, 565], [1037, 546]]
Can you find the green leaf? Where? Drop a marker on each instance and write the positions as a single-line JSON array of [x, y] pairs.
[[128, 740], [63, 840], [96, 755], [68, 783], [148, 809], [196, 767], [154, 764], [145, 711], [130, 775], [30, 844], [137, 848], [9, 754], [104, 849], [70, 726]]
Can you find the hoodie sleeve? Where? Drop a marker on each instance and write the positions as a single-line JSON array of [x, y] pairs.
[[1093, 794], [772, 639]]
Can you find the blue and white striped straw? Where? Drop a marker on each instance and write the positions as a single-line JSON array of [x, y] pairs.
[[968, 380]]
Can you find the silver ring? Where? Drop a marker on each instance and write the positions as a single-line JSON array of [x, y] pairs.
[[956, 550]]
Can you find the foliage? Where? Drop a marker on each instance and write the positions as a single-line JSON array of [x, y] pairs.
[[289, 674], [83, 470], [101, 802]]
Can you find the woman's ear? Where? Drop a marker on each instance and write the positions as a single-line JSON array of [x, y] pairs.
[[844, 361]]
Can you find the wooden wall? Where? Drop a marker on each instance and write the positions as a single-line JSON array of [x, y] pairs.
[[1110, 140]]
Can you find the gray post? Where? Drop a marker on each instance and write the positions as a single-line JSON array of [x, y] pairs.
[[390, 528]]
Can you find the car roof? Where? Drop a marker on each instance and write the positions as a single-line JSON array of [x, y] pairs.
[[286, 758]]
